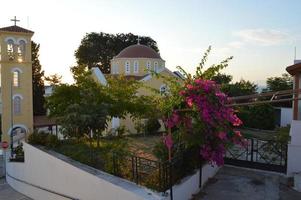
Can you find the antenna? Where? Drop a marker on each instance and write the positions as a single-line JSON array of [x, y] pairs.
[[28, 22], [295, 53]]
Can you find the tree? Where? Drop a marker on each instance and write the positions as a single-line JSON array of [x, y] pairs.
[[85, 106], [37, 81], [54, 79], [240, 88], [285, 82], [274, 84], [97, 49], [222, 79]]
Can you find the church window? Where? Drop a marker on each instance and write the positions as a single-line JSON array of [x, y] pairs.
[[148, 65], [156, 66], [17, 105], [136, 66], [16, 78], [10, 49], [127, 67], [21, 50], [163, 89]]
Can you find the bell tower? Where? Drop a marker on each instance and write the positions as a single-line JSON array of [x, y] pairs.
[[16, 80]]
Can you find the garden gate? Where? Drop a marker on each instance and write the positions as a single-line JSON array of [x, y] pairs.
[[262, 154]]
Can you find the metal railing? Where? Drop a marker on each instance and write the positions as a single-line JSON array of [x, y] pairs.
[[154, 174], [262, 154]]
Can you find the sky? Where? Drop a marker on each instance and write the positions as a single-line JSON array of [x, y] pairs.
[[261, 35]]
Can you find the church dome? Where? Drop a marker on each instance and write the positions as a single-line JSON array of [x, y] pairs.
[[138, 51]]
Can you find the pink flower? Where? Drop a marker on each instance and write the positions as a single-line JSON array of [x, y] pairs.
[[182, 93], [168, 141], [189, 102], [173, 120], [222, 135], [190, 87], [198, 81], [237, 133]]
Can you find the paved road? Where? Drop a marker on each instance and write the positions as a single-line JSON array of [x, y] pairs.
[[241, 184], [6, 192]]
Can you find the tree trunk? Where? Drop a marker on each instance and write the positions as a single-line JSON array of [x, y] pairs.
[[98, 140]]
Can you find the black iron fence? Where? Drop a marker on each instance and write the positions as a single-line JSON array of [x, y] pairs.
[[154, 174], [262, 154]]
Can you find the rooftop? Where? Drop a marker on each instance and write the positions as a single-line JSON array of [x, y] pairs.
[[138, 51], [16, 29]]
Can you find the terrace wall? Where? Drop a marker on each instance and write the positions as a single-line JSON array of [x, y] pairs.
[[51, 176], [42, 171]]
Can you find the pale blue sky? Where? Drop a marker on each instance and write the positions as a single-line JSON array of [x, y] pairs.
[[261, 35]]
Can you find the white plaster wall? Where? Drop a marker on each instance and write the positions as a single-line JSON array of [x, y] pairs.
[[294, 149], [190, 185], [49, 172], [286, 116]]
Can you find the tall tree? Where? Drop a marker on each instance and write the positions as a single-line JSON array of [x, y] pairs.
[[274, 84], [285, 82], [97, 49], [240, 88], [37, 81]]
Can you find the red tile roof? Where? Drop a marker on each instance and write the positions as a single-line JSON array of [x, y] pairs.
[[16, 29], [294, 69], [138, 51], [43, 121]]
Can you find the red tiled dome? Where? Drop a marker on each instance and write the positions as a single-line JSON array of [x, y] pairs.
[[138, 51]]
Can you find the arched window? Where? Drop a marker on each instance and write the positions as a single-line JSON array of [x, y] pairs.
[[156, 66], [17, 105], [16, 78], [127, 67], [148, 65], [163, 89], [10, 49], [136, 66], [21, 50]]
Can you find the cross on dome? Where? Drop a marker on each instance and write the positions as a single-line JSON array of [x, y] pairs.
[[15, 20], [138, 39]]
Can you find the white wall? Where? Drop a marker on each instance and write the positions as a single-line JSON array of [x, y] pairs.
[[190, 185], [294, 149], [286, 116], [52, 173]]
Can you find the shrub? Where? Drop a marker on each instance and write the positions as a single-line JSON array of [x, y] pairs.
[[152, 126], [121, 130], [44, 139], [37, 138], [258, 116], [139, 126], [283, 135]]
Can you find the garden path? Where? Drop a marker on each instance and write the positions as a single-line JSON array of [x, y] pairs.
[[238, 183]]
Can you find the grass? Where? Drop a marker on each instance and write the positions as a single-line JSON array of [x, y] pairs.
[[143, 146], [279, 134]]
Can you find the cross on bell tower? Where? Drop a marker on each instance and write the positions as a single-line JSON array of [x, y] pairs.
[[15, 20], [138, 39]]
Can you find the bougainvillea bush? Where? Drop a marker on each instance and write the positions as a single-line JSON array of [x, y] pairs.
[[205, 117], [199, 110]]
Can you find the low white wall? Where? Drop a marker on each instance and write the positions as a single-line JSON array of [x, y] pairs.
[[286, 116], [294, 149], [190, 185], [47, 171]]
